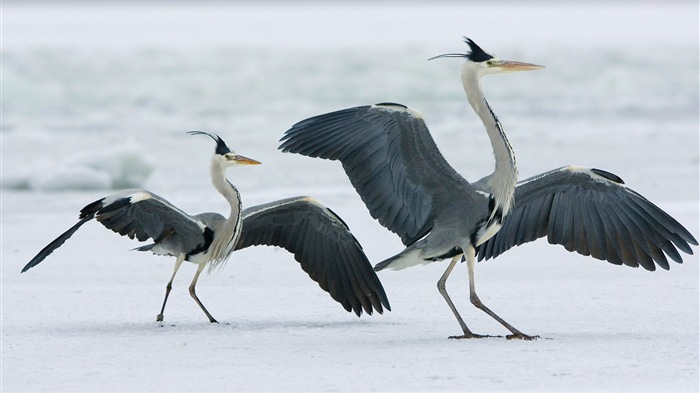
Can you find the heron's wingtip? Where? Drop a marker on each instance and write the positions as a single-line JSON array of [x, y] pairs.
[[31, 264]]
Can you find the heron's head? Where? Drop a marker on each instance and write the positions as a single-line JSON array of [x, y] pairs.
[[480, 62], [225, 156]]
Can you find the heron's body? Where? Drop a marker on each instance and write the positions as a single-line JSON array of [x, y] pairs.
[[210, 238], [177, 233], [392, 161]]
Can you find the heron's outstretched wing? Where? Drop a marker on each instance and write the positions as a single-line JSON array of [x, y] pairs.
[[142, 215], [137, 214], [56, 243], [390, 158], [592, 212], [323, 245]]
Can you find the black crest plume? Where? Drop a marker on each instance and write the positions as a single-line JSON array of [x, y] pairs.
[[221, 147], [477, 54]]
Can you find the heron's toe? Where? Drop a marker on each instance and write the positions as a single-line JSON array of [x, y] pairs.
[[521, 336], [472, 335]]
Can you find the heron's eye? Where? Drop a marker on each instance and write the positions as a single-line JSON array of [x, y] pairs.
[[490, 63]]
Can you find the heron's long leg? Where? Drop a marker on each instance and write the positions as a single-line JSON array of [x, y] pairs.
[[443, 291], [470, 254], [194, 295], [168, 287]]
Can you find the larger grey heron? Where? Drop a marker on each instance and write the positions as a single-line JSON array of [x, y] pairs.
[[392, 161], [319, 239]]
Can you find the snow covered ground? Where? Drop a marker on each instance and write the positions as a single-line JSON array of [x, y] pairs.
[[99, 97]]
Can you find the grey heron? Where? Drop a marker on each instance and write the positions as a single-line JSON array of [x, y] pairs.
[[395, 166], [319, 239]]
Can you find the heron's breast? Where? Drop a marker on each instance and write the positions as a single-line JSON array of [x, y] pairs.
[[486, 232]]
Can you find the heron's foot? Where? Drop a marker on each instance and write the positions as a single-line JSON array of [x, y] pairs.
[[159, 318], [212, 320], [472, 335], [521, 336]]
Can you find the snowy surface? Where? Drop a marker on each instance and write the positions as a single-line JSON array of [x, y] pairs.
[[99, 97]]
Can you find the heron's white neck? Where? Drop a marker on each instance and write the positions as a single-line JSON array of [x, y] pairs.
[[226, 236], [505, 176]]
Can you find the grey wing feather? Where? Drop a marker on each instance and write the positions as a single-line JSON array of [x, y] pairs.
[[144, 215], [58, 242], [322, 244], [591, 212], [390, 158], [137, 214]]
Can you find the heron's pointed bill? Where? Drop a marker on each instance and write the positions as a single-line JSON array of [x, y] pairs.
[[513, 66], [245, 160]]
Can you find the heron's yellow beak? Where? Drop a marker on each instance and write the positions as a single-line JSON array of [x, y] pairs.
[[514, 66], [245, 160]]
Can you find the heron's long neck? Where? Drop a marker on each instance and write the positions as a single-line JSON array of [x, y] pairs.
[[502, 181], [226, 236]]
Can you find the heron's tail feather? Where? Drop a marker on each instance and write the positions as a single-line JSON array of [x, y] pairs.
[[406, 258], [46, 251], [147, 247], [156, 249]]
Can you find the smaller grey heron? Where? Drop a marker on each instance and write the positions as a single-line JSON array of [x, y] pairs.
[[406, 184], [202, 239], [301, 225]]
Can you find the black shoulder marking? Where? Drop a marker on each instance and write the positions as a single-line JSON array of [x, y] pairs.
[[208, 239], [497, 216], [449, 254], [608, 175], [477, 54]]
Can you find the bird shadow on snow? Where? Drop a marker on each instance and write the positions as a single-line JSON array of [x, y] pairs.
[[253, 325], [79, 328]]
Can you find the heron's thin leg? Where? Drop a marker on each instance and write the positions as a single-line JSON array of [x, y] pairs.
[[443, 291], [194, 295], [168, 287], [470, 254]]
